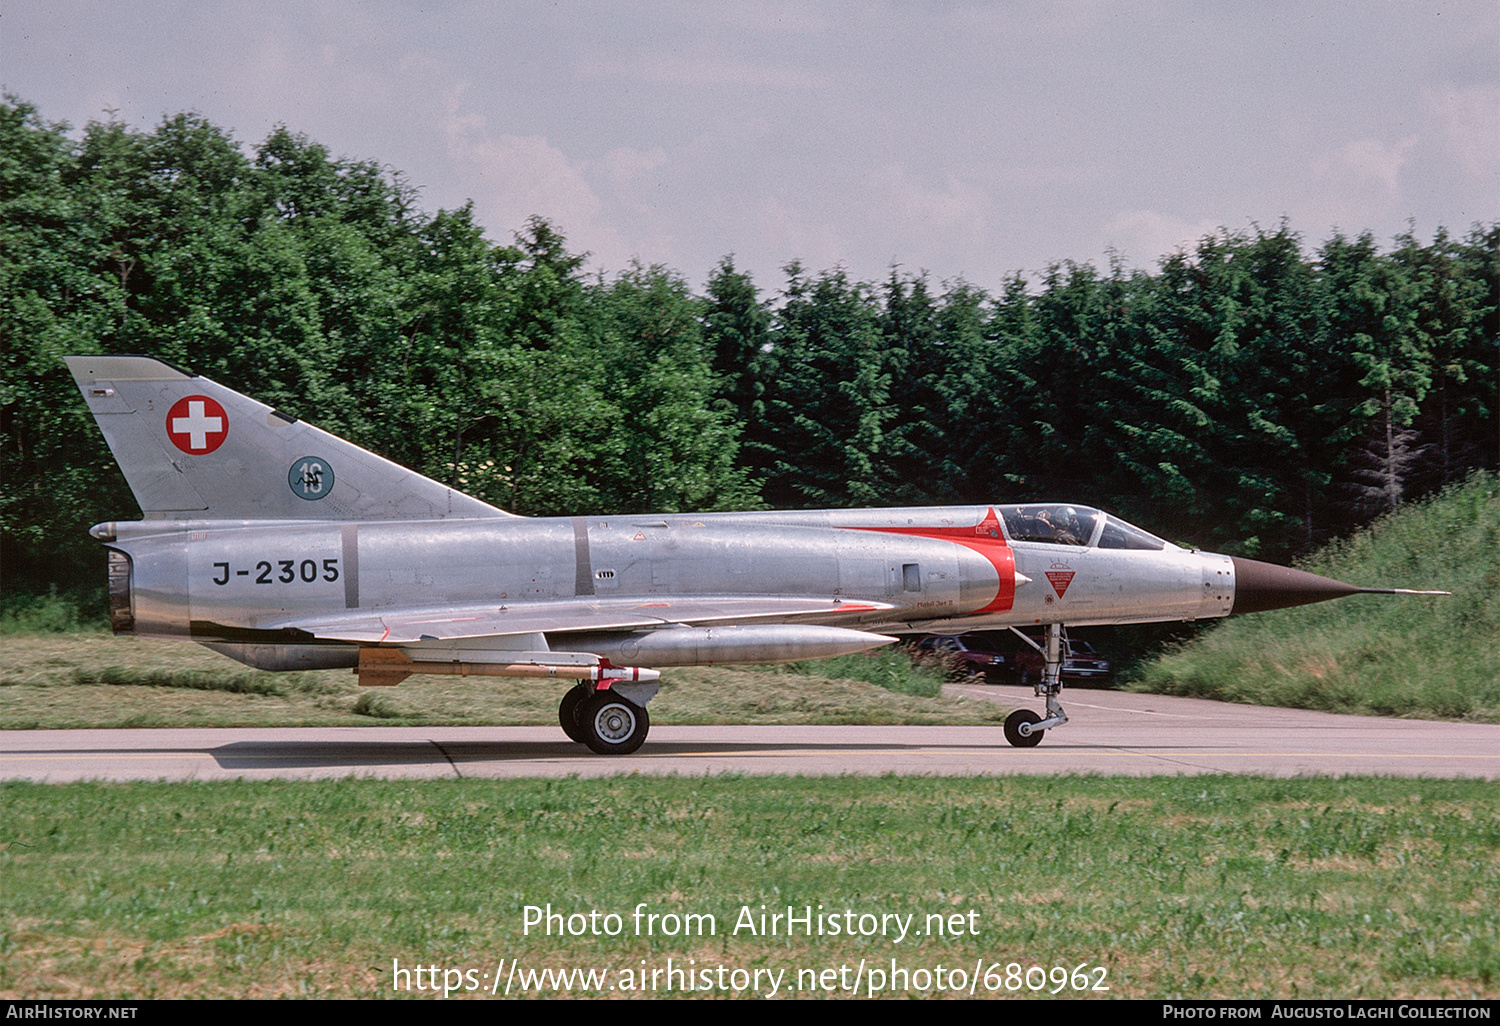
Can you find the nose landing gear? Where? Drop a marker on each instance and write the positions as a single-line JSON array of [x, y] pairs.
[[1024, 728]]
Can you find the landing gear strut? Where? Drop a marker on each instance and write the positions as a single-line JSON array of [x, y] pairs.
[[1024, 728]]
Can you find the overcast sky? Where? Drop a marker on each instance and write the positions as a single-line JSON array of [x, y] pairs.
[[965, 139]]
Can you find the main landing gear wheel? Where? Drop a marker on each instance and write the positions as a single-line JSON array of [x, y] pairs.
[[1018, 729], [569, 708], [612, 725]]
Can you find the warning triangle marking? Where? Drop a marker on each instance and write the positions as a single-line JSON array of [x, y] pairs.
[[1060, 580]]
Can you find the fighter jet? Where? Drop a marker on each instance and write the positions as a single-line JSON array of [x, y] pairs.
[[287, 548]]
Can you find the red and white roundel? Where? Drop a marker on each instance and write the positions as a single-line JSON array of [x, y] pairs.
[[197, 425]]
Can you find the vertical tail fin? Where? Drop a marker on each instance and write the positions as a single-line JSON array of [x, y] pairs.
[[191, 448]]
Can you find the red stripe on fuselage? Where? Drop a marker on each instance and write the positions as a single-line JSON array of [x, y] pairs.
[[985, 538]]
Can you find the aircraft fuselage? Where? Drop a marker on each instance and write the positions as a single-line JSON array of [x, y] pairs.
[[901, 570]]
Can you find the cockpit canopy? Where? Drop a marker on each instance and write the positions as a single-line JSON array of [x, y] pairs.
[[1063, 524]]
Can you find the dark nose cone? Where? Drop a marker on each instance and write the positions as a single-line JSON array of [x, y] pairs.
[[1260, 586]]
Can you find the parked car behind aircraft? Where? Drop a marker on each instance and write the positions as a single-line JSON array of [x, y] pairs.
[[1080, 662], [1003, 658], [967, 656]]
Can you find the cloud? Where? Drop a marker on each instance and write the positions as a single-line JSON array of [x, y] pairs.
[[1358, 185], [674, 70], [790, 232], [626, 165], [777, 17], [515, 177], [1148, 235], [1364, 162], [955, 203], [1469, 120]]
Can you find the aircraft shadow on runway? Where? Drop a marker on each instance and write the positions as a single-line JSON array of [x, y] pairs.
[[305, 754], [245, 755]]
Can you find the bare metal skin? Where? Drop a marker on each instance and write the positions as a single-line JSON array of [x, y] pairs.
[[287, 548]]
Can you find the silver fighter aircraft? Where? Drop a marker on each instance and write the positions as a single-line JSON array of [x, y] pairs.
[[287, 548]]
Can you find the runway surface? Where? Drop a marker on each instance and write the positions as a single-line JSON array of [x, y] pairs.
[[1109, 733]]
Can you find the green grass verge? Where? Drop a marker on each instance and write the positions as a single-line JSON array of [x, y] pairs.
[[1220, 887], [53, 613], [58, 680], [1420, 656]]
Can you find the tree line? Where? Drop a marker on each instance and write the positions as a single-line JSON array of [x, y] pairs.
[[1248, 396]]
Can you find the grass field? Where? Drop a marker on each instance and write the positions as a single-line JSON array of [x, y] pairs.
[[1179, 887], [91, 679]]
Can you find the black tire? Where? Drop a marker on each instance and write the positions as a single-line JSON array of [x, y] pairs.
[[569, 708], [1013, 729], [612, 725]]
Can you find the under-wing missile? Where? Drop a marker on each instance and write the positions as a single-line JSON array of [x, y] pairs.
[[287, 548]]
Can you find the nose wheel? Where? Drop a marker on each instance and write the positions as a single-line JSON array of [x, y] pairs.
[[1019, 730]]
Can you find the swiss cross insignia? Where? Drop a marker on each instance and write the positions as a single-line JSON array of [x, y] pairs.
[[197, 425]]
